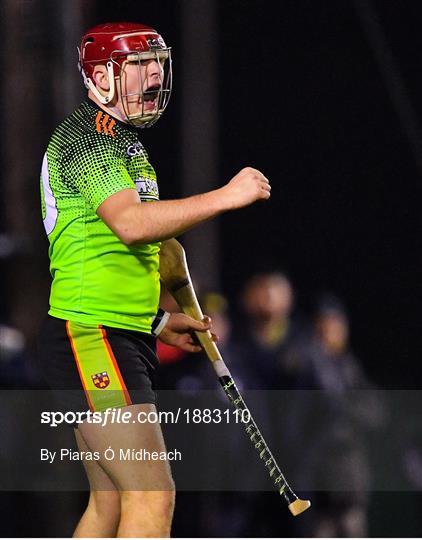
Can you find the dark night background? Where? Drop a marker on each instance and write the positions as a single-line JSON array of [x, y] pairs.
[[344, 212], [330, 116]]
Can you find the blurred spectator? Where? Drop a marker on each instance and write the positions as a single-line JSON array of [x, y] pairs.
[[331, 427], [333, 366], [267, 334]]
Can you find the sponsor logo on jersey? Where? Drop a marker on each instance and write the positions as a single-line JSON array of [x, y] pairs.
[[136, 149], [101, 380], [147, 188], [105, 124]]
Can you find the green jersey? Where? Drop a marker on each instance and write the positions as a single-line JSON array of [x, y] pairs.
[[97, 279]]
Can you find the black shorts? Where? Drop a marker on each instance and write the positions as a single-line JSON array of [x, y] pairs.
[[95, 367]]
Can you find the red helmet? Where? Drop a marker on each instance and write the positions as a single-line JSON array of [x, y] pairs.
[[113, 44]]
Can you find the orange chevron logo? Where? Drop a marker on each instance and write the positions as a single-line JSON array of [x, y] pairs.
[[105, 124]]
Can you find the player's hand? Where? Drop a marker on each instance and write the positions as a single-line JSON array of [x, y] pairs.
[[179, 332], [248, 186]]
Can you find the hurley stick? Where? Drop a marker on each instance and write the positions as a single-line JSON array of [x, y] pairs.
[[175, 276]]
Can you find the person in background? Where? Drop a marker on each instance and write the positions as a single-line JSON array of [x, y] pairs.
[[332, 426], [267, 333]]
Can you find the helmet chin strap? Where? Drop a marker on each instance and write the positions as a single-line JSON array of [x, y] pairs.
[[89, 84]]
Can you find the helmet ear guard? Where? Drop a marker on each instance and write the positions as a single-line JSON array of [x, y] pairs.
[[89, 84]]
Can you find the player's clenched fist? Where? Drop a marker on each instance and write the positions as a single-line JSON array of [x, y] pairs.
[[248, 186]]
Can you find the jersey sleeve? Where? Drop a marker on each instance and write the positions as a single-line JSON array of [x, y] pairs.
[[96, 169]]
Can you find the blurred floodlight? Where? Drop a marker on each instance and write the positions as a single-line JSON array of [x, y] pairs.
[[12, 342], [7, 246]]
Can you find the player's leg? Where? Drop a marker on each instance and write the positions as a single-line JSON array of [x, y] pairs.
[[108, 364], [146, 486], [102, 515], [57, 361]]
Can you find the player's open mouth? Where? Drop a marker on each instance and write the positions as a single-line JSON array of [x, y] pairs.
[[150, 96], [151, 93]]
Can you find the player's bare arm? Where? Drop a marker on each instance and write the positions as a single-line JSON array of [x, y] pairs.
[[135, 222]]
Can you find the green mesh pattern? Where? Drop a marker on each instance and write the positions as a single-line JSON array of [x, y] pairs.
[[96, 278]]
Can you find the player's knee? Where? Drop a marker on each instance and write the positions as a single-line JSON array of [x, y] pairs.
[[105, 504], [163, 502], [167, 501], [159, 502]]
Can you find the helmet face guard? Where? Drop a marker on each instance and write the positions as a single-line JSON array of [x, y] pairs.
[[158, 95], [117, 45]]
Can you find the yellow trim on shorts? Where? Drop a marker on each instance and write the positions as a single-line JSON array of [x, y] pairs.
[[97, 366]]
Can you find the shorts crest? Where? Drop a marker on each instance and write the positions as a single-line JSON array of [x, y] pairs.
[[101, 380]]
